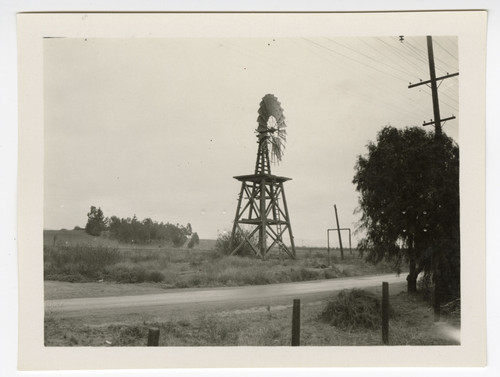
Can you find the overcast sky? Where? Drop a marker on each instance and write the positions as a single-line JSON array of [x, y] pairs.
[[158, 127]]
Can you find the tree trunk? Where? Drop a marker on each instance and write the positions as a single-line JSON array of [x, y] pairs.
[[412, 276]]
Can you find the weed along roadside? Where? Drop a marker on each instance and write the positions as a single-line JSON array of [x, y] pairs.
[[77, 258], [339, 316], [350, 317], [364, 313]]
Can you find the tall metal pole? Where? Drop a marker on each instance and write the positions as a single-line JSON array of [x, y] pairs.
[[340, 236]]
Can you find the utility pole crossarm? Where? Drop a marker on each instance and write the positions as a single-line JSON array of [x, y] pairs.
[[434, 90], [442, 120], [430, 81]]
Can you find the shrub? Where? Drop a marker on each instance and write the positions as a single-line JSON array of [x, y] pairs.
[[424, 284], [354, 309], [195, 240], [332, 273], [304, 274], [223, 243], [124, 273], [155, 276]]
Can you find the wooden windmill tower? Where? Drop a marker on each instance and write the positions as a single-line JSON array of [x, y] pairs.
[[262, 203]]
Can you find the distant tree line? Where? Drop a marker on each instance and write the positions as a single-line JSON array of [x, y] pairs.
[[132, 230]]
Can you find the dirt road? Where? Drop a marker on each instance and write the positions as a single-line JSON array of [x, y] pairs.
[[181, 297]]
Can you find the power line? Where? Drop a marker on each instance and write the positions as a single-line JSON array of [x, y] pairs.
[[323, 80], [369, 57], [422, 57], [400, 55], [355, 60], [446, 50]]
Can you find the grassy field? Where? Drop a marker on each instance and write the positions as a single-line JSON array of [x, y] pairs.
[[78, 265], [411, 324], [73, 256]]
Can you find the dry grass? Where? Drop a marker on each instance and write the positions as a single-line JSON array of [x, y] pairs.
[[262, 326], [169, 267]]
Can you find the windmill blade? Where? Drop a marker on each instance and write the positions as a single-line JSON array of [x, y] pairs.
[[270, 106], [271, 126]]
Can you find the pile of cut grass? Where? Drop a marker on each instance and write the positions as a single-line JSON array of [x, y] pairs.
[[354, 309]]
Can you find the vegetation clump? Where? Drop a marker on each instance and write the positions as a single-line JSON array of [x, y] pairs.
[[96, 222], [224, 245], [195, 240], [78, 262], [132, 230], [83, 263], [409, 203], [353, 310]]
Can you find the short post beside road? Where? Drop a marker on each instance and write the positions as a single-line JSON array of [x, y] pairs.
[[385, 313], [437, 301], [153, 336], [296, 323]]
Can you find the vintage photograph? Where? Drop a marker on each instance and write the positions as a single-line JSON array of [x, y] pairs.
[[277, 191], [264, 190]]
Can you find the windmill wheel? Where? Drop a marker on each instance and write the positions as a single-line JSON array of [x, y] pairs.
[[271, 126]]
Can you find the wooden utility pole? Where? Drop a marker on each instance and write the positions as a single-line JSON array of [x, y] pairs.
[[435, 100], [436, 260], [338, 229], [434, 89]]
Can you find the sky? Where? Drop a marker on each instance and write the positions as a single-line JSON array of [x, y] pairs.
[[159, 127]]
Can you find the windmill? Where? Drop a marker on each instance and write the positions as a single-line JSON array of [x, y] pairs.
[[262, 203]]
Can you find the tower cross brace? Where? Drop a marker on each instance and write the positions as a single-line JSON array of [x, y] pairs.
[[263, 208]]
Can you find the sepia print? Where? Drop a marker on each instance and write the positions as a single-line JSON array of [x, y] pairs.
[[264, 191]]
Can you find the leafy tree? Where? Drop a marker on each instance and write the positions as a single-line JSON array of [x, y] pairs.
[[177, 233], [409, 203], [195, 240], [95, 223], [146, 231]]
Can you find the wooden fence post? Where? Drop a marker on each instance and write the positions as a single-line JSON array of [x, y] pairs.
[[296, 323], [385, 313], [153, 336], [437, 301]]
